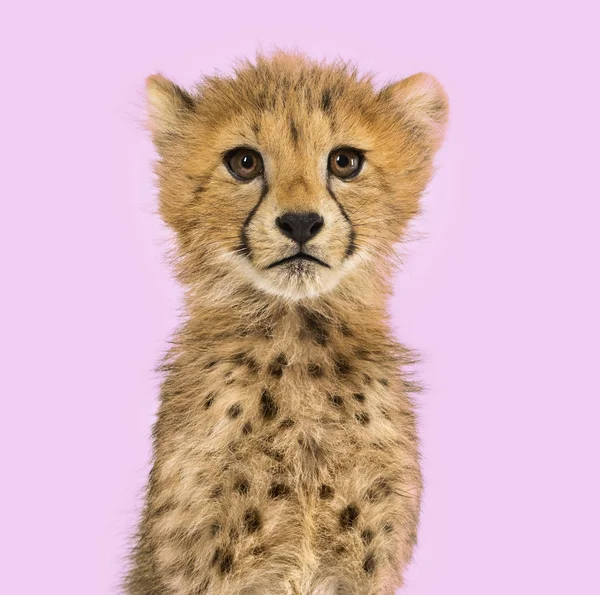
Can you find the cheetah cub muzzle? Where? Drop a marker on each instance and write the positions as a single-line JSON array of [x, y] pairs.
[[285, 453]]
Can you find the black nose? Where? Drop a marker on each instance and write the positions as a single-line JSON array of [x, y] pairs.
[[300, 227]]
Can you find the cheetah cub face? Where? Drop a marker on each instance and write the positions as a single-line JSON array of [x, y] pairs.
[[291, 175]]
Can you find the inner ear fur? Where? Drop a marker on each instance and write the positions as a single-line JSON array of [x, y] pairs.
[[169, 107]]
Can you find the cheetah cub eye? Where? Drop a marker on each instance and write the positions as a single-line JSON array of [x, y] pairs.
[[345, 163], [244, 164]]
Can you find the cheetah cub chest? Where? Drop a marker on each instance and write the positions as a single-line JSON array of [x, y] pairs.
[[285, 451]]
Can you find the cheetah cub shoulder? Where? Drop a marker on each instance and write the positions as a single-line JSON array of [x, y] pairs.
[[285, 451]]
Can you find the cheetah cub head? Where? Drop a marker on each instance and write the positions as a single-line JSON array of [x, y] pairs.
[[292, 176]]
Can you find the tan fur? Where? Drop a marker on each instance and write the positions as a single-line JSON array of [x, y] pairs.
[[285, 450]]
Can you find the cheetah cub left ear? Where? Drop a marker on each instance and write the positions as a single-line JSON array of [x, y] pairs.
[[169, 108], [423, 104]]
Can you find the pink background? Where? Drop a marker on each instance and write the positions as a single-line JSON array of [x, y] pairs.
[[500, 291]]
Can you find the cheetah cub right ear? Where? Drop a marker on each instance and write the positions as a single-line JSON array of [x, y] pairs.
[[422, 102], [169, 108]]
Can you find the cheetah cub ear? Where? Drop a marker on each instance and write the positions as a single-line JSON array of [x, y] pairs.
[[169, 108], [423, 104]]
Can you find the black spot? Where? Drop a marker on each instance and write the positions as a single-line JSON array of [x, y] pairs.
[[234, 411], [239, 357], [293, 131], [315, 370], [278, 490], [342, 367], [242, 486], [287, 423], [198, 190], [316, 325], [369, 564], [268, 406], [380, 489], [164, 509], [360, 397], [217, 492], [363, 418], [363, 353], [211, 364], [258, 550], [226, 562], [274, 454], [247, 428], [216, 556], [277, 365], [252, 365], [326, 101], [252, 522], [384, 381], [243, 358], [210, 399], [388, 528], [215, 529], [367, 536], [326, 492], [349, 516], [346, 330], [336, 400]]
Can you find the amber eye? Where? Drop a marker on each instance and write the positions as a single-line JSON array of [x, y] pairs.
[[244, 164], [345, 163]]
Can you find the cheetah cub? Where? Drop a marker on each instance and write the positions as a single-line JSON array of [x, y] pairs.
[[285, 449]]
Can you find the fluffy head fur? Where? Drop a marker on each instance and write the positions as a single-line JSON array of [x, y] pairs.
[[285, 450], [294, 113]]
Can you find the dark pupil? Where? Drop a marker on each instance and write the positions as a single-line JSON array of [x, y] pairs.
[[342, 161], [247, 162]]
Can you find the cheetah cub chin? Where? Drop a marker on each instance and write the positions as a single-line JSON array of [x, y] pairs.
[[285, 451]]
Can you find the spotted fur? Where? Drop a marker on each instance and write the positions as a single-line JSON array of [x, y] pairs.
[[285, 449]]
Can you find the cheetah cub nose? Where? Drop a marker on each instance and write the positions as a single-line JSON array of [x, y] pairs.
[[300, 227]]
